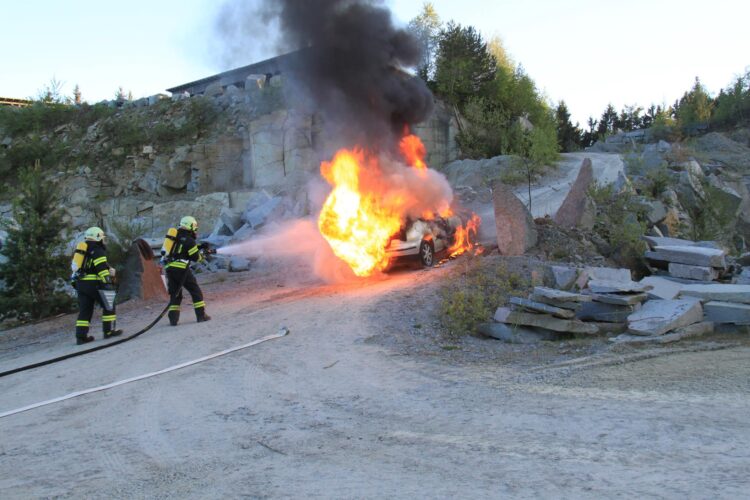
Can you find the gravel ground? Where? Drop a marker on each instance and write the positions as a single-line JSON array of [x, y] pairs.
[[367, 398]]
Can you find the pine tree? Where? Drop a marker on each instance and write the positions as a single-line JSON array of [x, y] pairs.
[[568, 135], [464, 66], [426, 28], [36, 263]]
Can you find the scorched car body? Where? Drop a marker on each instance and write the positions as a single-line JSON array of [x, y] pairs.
[[422, 240]]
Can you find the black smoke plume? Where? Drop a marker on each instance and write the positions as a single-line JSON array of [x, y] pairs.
[[351, 67]]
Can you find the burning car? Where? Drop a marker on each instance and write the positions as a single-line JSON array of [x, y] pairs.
[[423, 240]]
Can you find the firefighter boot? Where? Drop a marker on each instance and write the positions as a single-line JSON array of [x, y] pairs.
[[174, 315], [84, 340], [113, 333]]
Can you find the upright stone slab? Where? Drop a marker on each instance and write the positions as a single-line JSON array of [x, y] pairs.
[[718, 291], [516, 232], [573, 207], [140, 276], [658, 317]]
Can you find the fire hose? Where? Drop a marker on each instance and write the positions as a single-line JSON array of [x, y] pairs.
[[100, 347]]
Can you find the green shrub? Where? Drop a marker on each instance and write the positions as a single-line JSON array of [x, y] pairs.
[[472, 297]]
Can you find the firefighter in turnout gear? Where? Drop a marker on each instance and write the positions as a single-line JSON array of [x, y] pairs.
[[91, 273], [179, 251]]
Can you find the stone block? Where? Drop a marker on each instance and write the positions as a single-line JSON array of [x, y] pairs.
[[619, 299], [539, 307], [657, 317], [699, 273], [691, 255], [608, 313], [516, 334], [609, 274], [564, 276], [727, 312], [516, 232], [258, 216], [505, 315], [573, 208], [606, 286], [655, 241], [238, 264], [662, 288], [718, 291], [560, 295]]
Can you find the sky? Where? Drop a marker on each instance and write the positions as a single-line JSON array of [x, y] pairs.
[[587, 53]]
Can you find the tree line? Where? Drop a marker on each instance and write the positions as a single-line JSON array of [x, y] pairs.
[[497, 100]]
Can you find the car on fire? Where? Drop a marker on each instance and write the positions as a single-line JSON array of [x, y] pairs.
[[423, 240]]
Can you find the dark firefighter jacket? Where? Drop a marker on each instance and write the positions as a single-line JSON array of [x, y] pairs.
[[185, 250], [95, 267]]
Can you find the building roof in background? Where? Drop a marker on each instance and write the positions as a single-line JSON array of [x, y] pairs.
[[269, 67], [18, 103]]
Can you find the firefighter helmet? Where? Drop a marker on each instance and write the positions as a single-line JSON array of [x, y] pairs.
[[189, 223], [94, 234]]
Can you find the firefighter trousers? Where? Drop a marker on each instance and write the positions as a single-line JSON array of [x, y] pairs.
[[88, 296], [174, 278]]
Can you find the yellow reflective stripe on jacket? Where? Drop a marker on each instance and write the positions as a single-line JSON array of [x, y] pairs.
[[90, 277], [200, 304], [104, 273], [100, 260], [193, 250], [177, 264], [109, 317]]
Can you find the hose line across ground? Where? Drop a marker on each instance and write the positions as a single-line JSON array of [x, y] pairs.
[[281, 333]]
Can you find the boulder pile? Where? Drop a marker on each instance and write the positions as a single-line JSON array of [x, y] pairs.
[[606, 301]]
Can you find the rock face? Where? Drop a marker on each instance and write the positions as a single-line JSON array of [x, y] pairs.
[[573, 209], [141, 277], [658, 317], [516, 232]]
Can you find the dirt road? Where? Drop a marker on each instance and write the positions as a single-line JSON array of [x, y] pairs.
[[549, 192], [363, 399]]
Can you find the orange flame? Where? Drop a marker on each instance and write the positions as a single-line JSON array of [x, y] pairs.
[[357, 225], [414, 151], [465, 237], [372, 197]]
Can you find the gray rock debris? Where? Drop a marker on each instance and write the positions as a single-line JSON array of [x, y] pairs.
[[662, 288], [608, 313], [694, 330], [607, 286]]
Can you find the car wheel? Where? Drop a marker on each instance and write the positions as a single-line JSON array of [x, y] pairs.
[[427, 253]]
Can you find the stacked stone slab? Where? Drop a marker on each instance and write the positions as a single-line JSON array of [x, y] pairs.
[[545, 315], [722, 303], [687, 260]]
